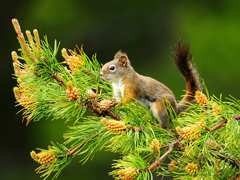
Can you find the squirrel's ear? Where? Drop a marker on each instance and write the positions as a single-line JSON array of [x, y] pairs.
[[124, 60], [117, 55]]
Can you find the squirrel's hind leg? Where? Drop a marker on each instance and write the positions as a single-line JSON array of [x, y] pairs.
[[159, 112]]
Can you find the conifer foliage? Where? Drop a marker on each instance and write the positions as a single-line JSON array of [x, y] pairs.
[[202, 143]]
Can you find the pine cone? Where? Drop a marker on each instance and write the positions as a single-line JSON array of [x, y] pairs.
[[92, 94], [188, 132], [155, 144], [217, 110], [129, 173], [105, 105], [44, 157], [201, 98], [192, 168], [172, 166], [115, 126], [201, 125]]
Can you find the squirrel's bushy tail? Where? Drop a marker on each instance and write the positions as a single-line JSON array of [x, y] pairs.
[[183, 60]]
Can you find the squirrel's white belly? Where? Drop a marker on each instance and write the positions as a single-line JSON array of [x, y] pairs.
[[118, 89]]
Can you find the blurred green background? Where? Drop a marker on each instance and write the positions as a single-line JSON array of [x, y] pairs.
[[145, 30]]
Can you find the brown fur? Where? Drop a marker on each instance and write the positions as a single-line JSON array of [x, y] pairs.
[[129, 91], [183, 60]]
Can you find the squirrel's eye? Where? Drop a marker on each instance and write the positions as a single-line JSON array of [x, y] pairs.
[[112, 68]]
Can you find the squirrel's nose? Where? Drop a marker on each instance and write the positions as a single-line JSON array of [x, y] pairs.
[[101, 73]]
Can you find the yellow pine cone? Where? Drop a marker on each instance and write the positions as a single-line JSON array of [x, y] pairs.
[[155, 144], [72, 92], [74, 62], [17, 93], [105, 105], [69, 86], [64, 53], [115, 126], [192, 168], [129, 173], [92, 94], [201, 125], [23, 97], [26, 101], [217, 110], [19, 81], [37, 39], [16, 26], [188, 132], [14, 56], [172, 165], [44, 157], [16, 65], [201, 98]]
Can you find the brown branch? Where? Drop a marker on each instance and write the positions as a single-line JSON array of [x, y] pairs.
[[230, 160], [138, 129], [59, 80], [172, 144], [54, 76], [234, 163], [220, 124], [94, 108], [154, 124], [81, 145], [112, 115], [235, 177], [88, 73], [237, 117], [164, 146], [224, 121], [159, 161], [78, 147]]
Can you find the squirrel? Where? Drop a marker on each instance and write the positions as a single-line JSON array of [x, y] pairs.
[[130, 85]]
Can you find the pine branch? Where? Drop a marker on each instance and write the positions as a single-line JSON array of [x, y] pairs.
[[46, 88], [235, 177], [53, 75], [159, 161], [234, 163], [237, 117], [76, 149], [95, 109], [226, 158], [219, 125], [134, 129]]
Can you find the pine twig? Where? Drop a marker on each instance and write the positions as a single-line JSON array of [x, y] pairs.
[[112, 115], [88, 73], [139, 129], [172, 144], [59, 80], [237, 117], [159, 161], [164, 146], [220, 124], [235, 177], [54, 76], [81, 145], [94, 108], [227, 158], [224, 121]]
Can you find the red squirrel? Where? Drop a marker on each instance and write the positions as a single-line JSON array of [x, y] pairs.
[[130, 85]]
